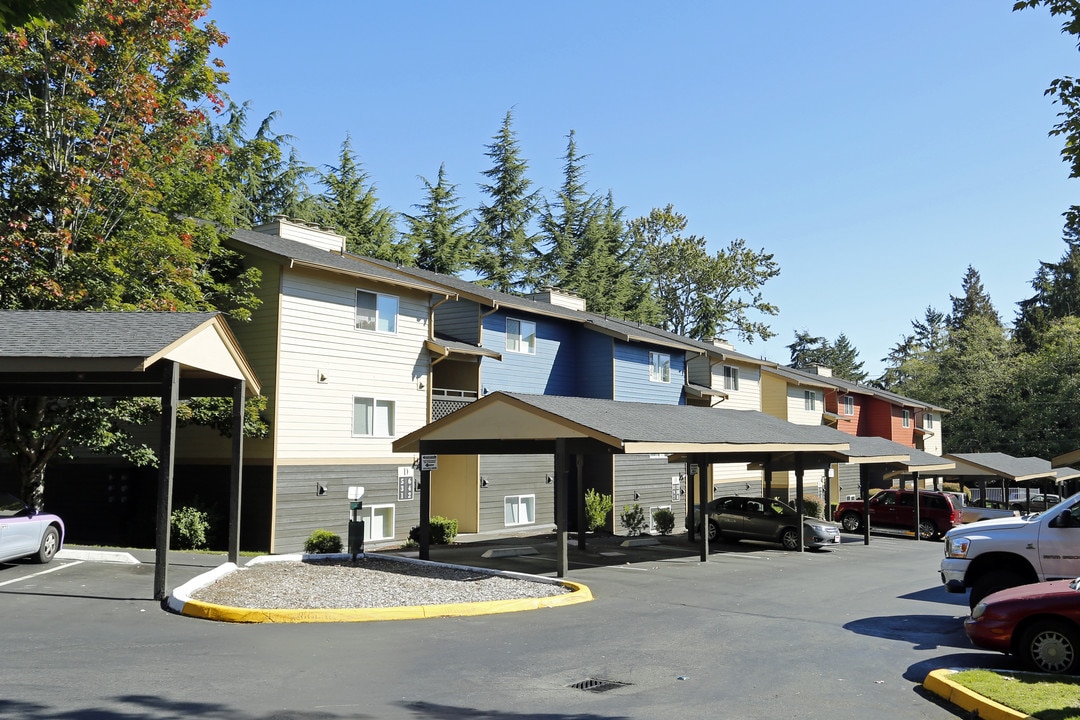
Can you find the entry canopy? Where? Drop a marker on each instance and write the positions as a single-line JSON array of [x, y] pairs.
[[1004, 466], [519, 423]]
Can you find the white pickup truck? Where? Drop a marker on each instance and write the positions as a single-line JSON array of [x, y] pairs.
[[992, 555]]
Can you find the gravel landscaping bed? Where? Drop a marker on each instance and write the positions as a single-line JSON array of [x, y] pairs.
[[367, 583]]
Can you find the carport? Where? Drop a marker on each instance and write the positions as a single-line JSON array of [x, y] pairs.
[[982, 468], [134, 354], [569, 428]]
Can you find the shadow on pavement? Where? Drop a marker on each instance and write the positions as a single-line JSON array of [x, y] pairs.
[[924, 632]]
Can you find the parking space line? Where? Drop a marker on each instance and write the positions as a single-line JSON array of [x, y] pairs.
[[43, 572]]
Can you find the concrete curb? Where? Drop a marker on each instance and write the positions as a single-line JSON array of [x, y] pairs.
[[180, 600], [104, 556], [938, 682]]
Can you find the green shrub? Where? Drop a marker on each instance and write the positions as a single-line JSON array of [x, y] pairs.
[[597, 507], [813, 507], [443, 530], [633, 519], [323, 542], [189, 528], [664, 520]]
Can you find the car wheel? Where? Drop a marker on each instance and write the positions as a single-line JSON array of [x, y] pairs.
[[714, 531], [1051, 646], [851, 521], [927, 530], [991, 583], [50, 543], [789, 538]]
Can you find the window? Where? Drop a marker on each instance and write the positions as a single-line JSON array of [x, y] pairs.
[[731, 378], [653, 530], [659, 367], [378, 522], [520, 336], [906, 419], [928, 421], [376, 312], [849, 405], [374, 418], [519, 509], [809, 400]]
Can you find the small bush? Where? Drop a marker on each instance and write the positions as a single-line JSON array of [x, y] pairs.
[[443, 530], [664, 520], [189, 528], [633, 519], [597, 507], [813, 507], [323, 542]]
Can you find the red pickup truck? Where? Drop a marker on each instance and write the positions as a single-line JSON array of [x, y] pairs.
[[896, 509]]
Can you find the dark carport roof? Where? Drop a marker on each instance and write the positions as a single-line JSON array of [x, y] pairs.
[[996, 464], [628, 427]]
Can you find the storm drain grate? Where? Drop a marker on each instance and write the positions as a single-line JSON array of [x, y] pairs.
[[597, 686]]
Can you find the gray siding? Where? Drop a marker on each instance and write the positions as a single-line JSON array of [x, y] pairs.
[[651, 479], [300, 510], [459, 320], [515, 475]]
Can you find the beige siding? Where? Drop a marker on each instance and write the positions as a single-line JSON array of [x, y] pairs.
[[774, 396], [748, 396], [325, 362], [796, 406]]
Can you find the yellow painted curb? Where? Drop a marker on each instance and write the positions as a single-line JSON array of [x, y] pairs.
[[181, 602], [938, 683]]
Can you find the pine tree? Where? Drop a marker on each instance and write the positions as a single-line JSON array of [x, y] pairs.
[[504, 245], [443, 242], [351, 207], [569, 229]]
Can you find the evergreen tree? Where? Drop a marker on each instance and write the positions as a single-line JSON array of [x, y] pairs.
[[443, 242], [350, 206], [905, 359], [1057, 296], [503, 240], [973, 303], [262, 176], [840, 356], [569, 229]]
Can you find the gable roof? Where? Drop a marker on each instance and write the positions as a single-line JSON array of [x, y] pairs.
[[998, 464], [36, 342], [624, 427], [803, 377]]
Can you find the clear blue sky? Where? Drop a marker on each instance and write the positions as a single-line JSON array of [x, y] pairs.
[[876, 149]]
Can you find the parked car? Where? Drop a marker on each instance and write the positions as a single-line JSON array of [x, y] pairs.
[[896, 509], [986, 509], [1039, 624], [1038, 503], [25, 532], [757, 518]]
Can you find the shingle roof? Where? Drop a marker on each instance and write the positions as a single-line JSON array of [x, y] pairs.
[[1002, 465], [809, 378], [310, 255], [83, 334]]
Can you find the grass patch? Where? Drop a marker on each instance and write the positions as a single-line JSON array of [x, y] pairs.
[[1040, 696]]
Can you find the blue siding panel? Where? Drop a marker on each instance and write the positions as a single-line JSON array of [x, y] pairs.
[[595, 365], [632, 382], [550, 371]]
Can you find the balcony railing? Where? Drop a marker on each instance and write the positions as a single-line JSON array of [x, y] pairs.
[[446, 400]]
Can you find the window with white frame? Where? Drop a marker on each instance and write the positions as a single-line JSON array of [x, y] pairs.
[[652, 517], [659, 367], [849, 405], [809, 400], [519, 509], [373, 417], [731, 378], [520, 336], [905, 420], [378, 522], [376, 312], [928, 421]]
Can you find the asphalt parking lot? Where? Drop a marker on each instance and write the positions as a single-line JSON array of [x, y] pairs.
[[757, 632]]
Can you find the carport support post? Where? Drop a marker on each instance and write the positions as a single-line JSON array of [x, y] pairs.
[[799, 472], [703, 491], [691, 502], [237, 472], [579, 495], [425, 506], [562, 504], [170, 398], [864, 489], [918, 519]]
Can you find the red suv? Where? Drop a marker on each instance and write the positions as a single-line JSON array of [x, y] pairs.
[[896, 509]]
